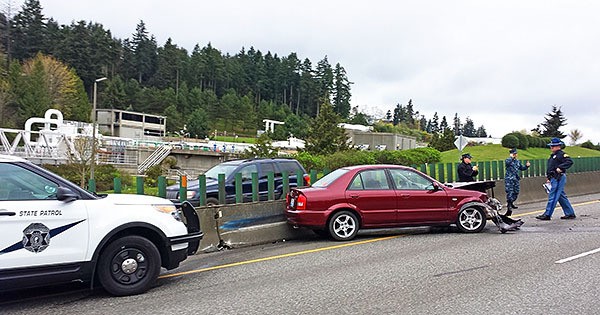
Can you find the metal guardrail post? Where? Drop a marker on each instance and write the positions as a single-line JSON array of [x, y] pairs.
[[202, 189], [271, 183], [222, 195], [117, 185], [182, 188], [449, 172], [254, 186], [162, 186], [92, 185], [299, 179], [238, 188], [313, 176], [139, 183], [286, 183]]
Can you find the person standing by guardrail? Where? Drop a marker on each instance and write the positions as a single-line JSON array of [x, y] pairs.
[[466, 172], [556, 175], [512, 178]]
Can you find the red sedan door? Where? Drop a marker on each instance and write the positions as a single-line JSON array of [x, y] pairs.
[[375, 198], [417, 201]]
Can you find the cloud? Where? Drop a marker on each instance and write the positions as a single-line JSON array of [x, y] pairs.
[[482, 59]]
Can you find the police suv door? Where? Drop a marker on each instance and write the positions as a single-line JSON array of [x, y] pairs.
[[37, 229]]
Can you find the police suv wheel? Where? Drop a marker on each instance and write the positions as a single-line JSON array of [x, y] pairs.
[[129, 265], [471, 220]]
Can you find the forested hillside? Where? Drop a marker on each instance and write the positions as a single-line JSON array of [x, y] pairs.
[[217, 90]]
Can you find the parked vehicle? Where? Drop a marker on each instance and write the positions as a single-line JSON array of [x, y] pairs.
[[52, 231], [246, 167], [376, 196]]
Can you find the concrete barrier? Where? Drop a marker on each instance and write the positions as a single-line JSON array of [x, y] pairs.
[[238, 225], [245, 224], [532, 190]]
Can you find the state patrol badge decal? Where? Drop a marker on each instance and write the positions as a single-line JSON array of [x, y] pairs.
[[36, 237]]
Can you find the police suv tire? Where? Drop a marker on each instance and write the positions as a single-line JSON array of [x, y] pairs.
[[129, 265], [212, 201], [343, 226], [471, 220]]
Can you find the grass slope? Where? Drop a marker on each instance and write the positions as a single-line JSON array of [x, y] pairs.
[[495, 152]]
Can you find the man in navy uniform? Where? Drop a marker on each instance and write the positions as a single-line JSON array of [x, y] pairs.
[[466, 172], [556, 175], [511, 179]]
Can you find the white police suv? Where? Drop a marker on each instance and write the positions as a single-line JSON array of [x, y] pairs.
[[52, 231]]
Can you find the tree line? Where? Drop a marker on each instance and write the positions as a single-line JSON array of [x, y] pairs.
[[218, 89]]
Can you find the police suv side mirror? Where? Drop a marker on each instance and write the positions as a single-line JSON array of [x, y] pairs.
[[65, 194]]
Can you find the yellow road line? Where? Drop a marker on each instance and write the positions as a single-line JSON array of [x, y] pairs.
[[322, 249], [541, 211], [278, 257]]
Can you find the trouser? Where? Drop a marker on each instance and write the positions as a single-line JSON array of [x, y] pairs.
[[512, 190], [557, 195]]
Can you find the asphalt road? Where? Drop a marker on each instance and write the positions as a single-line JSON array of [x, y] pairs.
[[398, 271]]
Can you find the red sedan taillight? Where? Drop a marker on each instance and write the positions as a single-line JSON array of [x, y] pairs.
[[301, 202]]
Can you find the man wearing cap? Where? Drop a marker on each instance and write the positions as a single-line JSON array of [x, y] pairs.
[[556, 175], [511, 179], [466, 172]]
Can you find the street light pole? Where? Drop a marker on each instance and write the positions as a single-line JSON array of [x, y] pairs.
[[94, 119]]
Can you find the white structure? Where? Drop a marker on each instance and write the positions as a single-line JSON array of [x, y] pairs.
[[127, 124], [270, 124]]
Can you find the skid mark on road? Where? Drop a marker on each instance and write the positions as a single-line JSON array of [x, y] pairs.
[[310, 251]]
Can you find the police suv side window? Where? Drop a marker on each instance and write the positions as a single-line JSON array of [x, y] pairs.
[[20, 184]]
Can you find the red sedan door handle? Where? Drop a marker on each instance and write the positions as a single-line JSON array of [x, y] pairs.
[[354, 196], [405, 196]]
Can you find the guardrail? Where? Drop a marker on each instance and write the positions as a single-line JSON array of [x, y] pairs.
[[443, 172]]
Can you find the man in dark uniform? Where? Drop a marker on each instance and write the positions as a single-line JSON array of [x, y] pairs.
[[466, 172], [511, 179], [556, 175]]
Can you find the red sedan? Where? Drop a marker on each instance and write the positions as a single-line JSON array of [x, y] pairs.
[[377, 196]]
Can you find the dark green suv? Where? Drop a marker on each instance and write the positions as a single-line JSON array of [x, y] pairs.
[[246, 167]]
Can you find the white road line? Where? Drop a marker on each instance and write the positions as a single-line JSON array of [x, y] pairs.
[[577, 256]]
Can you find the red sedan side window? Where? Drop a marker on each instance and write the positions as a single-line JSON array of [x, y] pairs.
[[370, 180]]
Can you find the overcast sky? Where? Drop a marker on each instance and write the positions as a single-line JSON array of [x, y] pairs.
[[501, 63]]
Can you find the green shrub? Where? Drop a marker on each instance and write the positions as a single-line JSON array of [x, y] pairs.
[[354, 157], [510, 141]]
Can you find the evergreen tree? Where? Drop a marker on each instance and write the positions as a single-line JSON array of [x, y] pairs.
[[397, 114], [481, 133], [324, 77], [443, 124], [341, 92], [358, 118], [197, 125], [411, 115], [170, 62], [144, 53], [388, 116], [552, 123], [435, 125], [457, 125], [28, 33], [469, 128], [423, 123], [325, 136]]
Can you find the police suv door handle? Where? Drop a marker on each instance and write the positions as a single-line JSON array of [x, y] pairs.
[[7, 213]]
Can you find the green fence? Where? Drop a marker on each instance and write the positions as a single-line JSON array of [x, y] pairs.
[[443, 172], [495, 170]]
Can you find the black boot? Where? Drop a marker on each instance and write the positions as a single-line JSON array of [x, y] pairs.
[[512, 205], [508, 212]]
